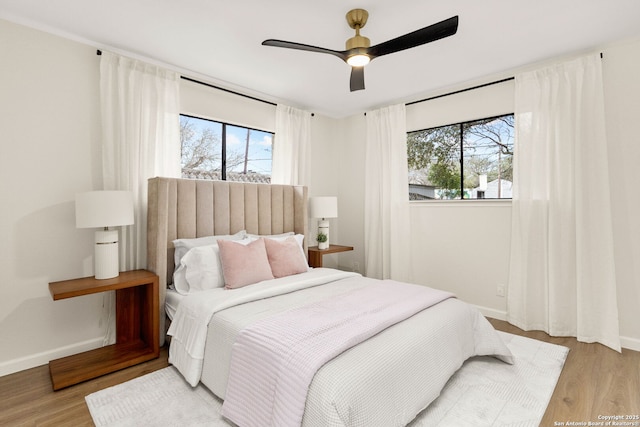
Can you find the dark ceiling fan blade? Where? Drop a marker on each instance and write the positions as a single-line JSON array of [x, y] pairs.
[[357, 79], [300, 46], [434, 32]]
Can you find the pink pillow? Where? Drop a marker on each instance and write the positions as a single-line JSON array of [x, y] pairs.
[[285, 257], [244, 264]]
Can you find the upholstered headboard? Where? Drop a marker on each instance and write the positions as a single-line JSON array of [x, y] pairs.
[[186, 208]]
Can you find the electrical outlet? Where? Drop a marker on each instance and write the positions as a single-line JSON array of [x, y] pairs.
[[500, 290]]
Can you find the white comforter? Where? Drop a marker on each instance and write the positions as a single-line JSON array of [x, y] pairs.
[[384, 381]]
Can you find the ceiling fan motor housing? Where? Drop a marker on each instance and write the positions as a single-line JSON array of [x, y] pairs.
[[358, 42], [357, 18]]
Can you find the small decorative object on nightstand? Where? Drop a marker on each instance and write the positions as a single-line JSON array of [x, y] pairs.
[[323, 207], [315, 254], [323, 241], [137, 330]]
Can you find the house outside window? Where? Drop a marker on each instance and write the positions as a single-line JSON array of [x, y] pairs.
[[221, 151], [470, 160]]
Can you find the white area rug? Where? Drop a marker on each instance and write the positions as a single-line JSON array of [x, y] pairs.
[[484, 392]]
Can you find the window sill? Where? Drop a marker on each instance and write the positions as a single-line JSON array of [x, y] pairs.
[[462, 203]]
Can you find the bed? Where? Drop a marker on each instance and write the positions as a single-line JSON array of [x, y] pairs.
[[386, 377]]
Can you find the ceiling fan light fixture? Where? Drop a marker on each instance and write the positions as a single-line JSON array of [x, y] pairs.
[[358, 60]]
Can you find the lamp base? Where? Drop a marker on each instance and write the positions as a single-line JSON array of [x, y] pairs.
[[106, 254]]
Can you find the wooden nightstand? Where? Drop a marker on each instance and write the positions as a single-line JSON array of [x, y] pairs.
[[315, 254], [137, 320]]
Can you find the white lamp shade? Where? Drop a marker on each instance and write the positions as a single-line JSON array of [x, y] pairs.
[[323, 207], [104, 209]]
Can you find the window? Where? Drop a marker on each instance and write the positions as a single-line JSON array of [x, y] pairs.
[[220, 151], [470, 160]]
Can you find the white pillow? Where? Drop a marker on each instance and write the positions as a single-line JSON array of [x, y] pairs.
[[271, 236], [180, 280], [182, 246]]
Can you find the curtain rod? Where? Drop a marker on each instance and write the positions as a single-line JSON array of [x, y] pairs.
[[470, 88], [460, 91], [189, 79], [99, 52]]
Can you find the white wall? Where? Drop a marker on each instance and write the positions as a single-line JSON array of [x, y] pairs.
[[621, 69], [349, 171], [49, 130], [324, 180], [463, 247], [214, 104]]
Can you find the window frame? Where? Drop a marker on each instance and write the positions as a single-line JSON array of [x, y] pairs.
[[223, 137], [461, 127]]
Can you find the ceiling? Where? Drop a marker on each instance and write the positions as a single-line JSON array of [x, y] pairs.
[[220, 41]]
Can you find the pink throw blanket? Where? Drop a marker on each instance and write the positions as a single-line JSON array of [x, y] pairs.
[[274, 360]]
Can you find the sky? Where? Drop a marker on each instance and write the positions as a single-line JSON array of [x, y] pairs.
[[260, 148], [260, 144]]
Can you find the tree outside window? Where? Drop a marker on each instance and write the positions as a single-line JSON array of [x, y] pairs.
[[470, 160]]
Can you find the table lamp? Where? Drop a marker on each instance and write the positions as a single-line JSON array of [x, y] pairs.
[[104, 209], [323, 207]]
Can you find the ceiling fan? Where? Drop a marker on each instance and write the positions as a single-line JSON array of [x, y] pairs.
[[359, 51]]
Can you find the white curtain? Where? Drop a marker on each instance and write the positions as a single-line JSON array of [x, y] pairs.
[[140, 137], [386, 198], [291, 151], [562, 271]]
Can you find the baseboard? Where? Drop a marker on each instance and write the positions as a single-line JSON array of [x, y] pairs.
[[39, 359], [630, 343], [625, 342], [493, 313]]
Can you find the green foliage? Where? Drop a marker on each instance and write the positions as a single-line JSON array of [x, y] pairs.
[[434, 154], [437, 151], [445, 176], [321, 238], [425, 145]]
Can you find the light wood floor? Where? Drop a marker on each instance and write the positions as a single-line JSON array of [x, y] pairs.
[[595, 381]]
